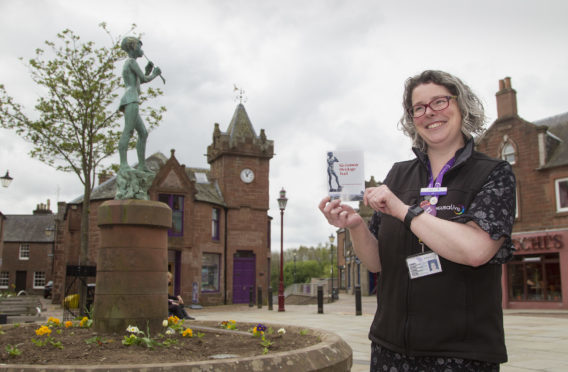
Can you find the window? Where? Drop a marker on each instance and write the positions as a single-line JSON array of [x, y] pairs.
[[210, 272], [39, 279], [215, 224], [24, 251], [4, 279], [535, 278], [561, 186], [176, 204], [508, 153]]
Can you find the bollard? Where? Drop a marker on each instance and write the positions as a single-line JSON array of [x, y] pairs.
[[320, 299], [358, 300], [269, 298], [259, 297], [251, 296]]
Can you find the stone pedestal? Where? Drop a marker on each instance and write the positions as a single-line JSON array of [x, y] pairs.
[[132, 282]]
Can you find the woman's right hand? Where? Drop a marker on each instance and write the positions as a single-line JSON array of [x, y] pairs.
[[339, 215]]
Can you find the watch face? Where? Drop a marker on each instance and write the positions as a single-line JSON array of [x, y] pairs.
[[247, 175]]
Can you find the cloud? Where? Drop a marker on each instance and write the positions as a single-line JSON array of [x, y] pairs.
[[318, 75]]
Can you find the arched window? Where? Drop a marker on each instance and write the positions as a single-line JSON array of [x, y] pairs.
[[508, 153]]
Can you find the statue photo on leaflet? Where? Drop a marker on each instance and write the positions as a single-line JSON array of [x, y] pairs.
[[134, 183]]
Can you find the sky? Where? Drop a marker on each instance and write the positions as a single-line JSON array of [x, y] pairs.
[[317, 76]]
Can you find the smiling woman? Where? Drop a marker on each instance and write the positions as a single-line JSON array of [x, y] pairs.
[[450, 210]]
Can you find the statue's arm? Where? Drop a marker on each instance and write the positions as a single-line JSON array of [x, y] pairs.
[[134, 67]]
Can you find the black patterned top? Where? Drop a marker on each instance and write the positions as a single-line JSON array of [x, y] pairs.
[[493, 209]]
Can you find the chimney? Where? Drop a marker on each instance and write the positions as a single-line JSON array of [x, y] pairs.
[[506, 99], [104, 176]]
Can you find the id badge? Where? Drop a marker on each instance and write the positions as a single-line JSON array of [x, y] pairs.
[[423, 264]]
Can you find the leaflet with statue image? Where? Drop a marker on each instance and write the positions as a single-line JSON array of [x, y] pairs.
[[345, 175]]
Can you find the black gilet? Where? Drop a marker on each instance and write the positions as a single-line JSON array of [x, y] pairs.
[[456, 313]]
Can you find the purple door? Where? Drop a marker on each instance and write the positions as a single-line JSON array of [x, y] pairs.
[[243, 279]]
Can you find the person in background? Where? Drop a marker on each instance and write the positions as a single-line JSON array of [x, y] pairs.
[[450, 205], [175, 304]]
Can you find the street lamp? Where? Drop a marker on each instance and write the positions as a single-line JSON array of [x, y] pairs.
[[331, 240], [6, 180], [282, 204]]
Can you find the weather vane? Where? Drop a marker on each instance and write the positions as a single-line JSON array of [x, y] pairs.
[[240, 95]]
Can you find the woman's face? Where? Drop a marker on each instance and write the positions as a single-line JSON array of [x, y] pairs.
[[439, 129]]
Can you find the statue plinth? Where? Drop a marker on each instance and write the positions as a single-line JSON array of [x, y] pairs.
[[132, 282]]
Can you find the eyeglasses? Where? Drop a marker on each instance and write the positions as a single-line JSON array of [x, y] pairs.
[[437, 104]]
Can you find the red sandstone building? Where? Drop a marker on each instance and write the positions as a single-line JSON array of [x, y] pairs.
[[26, 250], [219, 242], [537, 278]]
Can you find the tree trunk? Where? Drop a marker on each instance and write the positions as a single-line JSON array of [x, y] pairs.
[[84, 249]]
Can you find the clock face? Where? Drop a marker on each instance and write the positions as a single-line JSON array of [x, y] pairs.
[[247, 175]]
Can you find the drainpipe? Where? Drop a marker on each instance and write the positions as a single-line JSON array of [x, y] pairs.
[[225, 257]]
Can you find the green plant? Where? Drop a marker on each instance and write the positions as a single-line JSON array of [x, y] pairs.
[[13, 350], [143, 340], [266, 344], [48, 341], [98, 340], [304, 332]]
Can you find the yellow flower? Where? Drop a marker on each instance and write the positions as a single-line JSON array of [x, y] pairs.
[[68, 324], [187, 333], [83, 322], [54, 321], [173, 319], [43, 330]]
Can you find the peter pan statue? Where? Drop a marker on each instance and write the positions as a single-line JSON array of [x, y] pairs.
[[133, 76], [134, 183]]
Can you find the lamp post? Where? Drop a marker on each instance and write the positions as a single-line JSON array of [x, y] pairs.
[[331, 239], [282, 204], [6, 180]]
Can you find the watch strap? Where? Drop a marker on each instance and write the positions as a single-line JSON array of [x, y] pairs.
[[413, 211]]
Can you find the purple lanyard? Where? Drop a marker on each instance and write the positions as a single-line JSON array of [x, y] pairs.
[[436, 189], [440, 176]]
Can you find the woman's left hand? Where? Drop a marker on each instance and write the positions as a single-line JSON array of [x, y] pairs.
[[383, 200]]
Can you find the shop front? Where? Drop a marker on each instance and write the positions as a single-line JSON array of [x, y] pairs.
[[537, 277]]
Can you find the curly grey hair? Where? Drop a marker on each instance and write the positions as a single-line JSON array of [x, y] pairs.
[[471, 108]]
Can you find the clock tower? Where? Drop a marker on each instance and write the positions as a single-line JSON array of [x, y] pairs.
[[240, 163]]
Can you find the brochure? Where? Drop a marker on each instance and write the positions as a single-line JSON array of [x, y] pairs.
[[345, 175]]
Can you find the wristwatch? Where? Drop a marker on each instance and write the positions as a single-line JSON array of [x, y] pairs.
[[413, 211]]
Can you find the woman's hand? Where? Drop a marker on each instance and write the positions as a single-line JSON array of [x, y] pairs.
[[339, 215], [383, 200]]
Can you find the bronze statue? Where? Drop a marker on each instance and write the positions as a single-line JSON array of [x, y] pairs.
[[134, 183]]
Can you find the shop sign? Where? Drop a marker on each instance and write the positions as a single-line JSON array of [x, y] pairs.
[[539, 243]]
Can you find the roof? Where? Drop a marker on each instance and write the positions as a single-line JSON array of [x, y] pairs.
[[29, 228], [240, 126], [557, 140], [107, 189], [207, 190]]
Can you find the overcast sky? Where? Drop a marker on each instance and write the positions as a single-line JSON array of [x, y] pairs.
[[318, 76]]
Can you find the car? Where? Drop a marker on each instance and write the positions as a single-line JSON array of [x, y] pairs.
[[47, 289]]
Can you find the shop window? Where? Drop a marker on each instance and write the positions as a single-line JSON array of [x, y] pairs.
[[561, 186], [215, 224], [535, 278], [176, 204], [24, 251], [4, 279], [508, 153], [39, 279], [210, 273]]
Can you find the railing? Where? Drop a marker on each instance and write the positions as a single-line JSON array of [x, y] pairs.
[[306, 289]]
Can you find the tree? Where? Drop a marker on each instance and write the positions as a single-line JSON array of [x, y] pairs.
[[78, 124]]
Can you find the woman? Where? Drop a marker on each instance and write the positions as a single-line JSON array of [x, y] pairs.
[[441, 228]]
